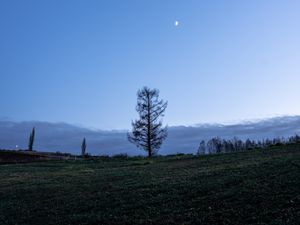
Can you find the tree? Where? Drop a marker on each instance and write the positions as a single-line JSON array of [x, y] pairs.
[[202, 148], [31, 139], [83, 147], [147, 131], [248, 144]]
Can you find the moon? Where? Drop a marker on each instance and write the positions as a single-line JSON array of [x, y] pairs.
[[176, 23]]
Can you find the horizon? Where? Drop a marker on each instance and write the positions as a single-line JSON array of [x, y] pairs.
[[65, 137], [214, 62]]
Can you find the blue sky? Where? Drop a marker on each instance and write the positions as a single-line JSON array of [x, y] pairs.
[[82, 62]]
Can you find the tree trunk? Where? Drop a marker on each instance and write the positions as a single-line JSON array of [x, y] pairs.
[[149, 128]]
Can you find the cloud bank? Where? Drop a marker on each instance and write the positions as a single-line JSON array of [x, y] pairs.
[[67, 138]]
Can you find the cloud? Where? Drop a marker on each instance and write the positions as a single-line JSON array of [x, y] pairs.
[[67, 138]]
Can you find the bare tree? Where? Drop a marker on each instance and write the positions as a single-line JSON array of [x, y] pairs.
[[31, 140], [147, 131]]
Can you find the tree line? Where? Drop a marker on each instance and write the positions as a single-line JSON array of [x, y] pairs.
[[219, 145]]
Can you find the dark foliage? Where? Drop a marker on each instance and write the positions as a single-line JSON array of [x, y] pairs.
[[31, 139], [83, 147]]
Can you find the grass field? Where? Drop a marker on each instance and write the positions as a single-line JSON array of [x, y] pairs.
[[255, 187]]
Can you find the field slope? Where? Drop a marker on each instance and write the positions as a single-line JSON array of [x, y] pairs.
[[255, 187]]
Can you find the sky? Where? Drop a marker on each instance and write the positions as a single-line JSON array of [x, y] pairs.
[[82, 62]]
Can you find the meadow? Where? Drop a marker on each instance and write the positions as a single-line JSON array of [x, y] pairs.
[[252, 187]]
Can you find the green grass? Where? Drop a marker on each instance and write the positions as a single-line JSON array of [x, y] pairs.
[[255, 187]]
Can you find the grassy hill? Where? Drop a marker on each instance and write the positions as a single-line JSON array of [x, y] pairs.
[[22, 156], [10, 156], [255, 187]]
